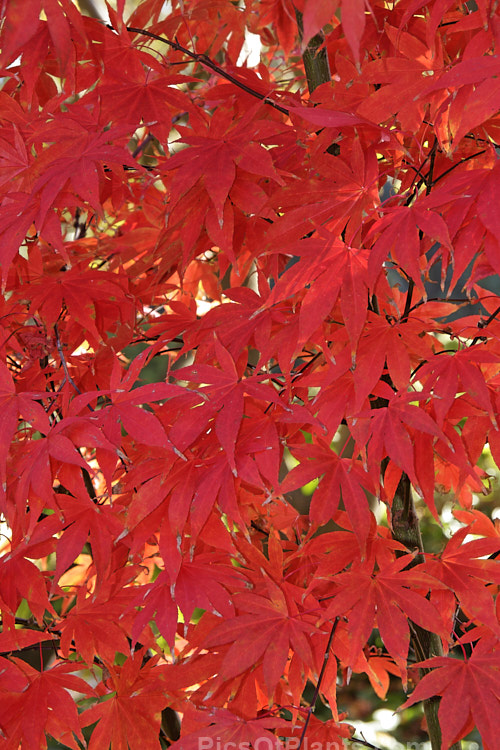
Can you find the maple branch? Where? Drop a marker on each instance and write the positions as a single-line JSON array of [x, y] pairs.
[[207, 63], [30, 623], [141, 146], [63, 360], [44, 645], [483, 324], [406, 529], [79, 227], [170, 727], [296, 375], [315, 57], [307, 364], [409, 296], [424, 179], [454, 166], [12, 362], [255, 526], [451, 300], [417, 170], [318, 684], [357, 741]]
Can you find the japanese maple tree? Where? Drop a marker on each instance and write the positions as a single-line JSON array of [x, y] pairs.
[[224, 280]]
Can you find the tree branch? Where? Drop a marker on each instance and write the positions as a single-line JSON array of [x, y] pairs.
[[208, 63], [365, 743], [315, 58], [318, 684], [406, 529], [484, 323], [63, 360]]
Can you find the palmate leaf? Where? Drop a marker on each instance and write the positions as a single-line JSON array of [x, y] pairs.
[[82, 519], [130, 718], [83, 295], [442, 374], [399, 238], [478, 102], [214, 161], [40, 462], [79, 148], [207, 582], [12, 406], [387, 431], [391, 595], [19, 576], [19, 211], [473, 685], [35, 703], [280, 625], [334, 270], [99, 624], [23, 23], [223, 726], [391, 343], [342, 478], [227, 391], [134, 86], [463, 568]]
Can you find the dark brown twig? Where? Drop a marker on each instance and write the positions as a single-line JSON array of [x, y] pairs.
[[208, 63], [484, 323], [454, 166], [318, 684], [63, 360], [357, 741]]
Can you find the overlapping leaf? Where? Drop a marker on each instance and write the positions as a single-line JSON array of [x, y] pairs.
[[472, 684]]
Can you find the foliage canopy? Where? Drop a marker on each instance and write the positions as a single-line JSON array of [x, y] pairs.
[[304, 249]]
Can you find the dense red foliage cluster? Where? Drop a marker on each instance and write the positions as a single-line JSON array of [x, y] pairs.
[[265, 240]]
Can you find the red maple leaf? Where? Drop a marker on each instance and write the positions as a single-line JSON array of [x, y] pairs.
[[342, 478], [391, 595], [96, 624], [462, 567], [472, 686], [130, 718], [280, 626], [228, 390], [41, 703], [223, 726]]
